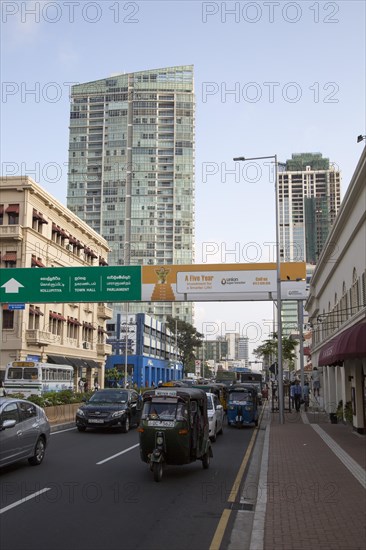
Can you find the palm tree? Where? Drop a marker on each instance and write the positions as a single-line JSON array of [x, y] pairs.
[[269, 350]]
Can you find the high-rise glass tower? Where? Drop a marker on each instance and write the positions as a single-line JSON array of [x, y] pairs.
[[309, 199], [131, 169]]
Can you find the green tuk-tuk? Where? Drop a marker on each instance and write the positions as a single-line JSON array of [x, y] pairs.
[[174, 428]]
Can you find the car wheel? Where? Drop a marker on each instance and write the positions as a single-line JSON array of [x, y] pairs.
[[81, 428], [206, 460], [158, 471], [125, 425], [39, 453]]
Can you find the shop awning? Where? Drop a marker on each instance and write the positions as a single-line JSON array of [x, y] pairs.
[[77, 362], [59, 360], [92, 364], [349, 344]]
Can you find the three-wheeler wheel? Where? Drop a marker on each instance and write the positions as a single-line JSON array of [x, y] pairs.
[[157, 469]]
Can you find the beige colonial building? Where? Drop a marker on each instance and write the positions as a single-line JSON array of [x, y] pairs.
[[37, 231], [337, 306]]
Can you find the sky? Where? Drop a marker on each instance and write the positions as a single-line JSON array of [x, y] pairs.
[[270, 78]]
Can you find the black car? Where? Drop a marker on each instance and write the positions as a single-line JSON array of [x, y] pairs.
[[110, 408]]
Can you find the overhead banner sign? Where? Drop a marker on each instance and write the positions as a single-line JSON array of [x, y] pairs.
[[223, 282], [166, 283]]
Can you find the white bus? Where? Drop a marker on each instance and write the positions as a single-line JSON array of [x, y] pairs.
[[34, 378]]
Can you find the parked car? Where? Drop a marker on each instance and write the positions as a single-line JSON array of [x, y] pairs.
[[109, 408], [215, 413], [24, 431]]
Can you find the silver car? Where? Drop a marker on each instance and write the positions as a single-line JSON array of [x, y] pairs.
[[24, 431]]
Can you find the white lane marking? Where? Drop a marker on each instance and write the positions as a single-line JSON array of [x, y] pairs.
[[21, 501], [118, 454]]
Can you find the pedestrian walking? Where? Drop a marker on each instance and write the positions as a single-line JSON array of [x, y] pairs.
[[316, 381], [292, 394], [297, 395], [86, 386], [305, 395], [96, 386], [81, 385]]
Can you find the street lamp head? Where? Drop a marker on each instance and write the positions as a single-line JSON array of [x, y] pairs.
[[359, 138], [238, 158]]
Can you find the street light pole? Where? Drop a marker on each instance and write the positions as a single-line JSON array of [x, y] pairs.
[[126, 344], [279, 298]]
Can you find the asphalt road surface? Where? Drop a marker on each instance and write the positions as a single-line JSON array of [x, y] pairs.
[[93, 492]]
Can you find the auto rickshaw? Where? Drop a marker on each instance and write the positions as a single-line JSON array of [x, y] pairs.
[[218, 389], [174, 428], [242, 407]]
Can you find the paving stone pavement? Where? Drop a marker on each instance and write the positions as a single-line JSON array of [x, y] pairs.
[[313, 500]]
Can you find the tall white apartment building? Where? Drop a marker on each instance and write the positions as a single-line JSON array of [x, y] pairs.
[[131, 169], [309, 199]]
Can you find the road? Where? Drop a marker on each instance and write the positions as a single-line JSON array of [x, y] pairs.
[[93, 492]]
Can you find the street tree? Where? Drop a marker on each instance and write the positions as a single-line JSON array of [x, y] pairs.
[[268, 351], [188, 338]]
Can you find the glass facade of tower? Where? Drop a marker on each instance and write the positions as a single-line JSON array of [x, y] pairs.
[[131, 169], [309, 199]]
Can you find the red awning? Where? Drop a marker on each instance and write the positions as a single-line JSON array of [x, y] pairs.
[[9, 257], [88, 325], [12, 209], [349, 344], [57, 316], [37, 262], [57, 229], [73, 321], [35, 311], [1, 208]]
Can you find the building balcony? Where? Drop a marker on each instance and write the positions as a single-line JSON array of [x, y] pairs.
[[104, 312], [37, 337], [104, 349], [11, 232]]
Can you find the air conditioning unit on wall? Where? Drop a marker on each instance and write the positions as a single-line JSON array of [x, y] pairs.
[[86, 345], [69, 247]]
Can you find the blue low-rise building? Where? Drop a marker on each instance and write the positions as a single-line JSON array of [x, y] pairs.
[[144, 348]]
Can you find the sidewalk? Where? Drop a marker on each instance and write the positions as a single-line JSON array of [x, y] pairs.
[[316, 481]]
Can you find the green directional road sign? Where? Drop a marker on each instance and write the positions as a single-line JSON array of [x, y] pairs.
[[70, 284]]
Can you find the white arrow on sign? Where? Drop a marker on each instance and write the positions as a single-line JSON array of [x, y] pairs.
[[12, 286]]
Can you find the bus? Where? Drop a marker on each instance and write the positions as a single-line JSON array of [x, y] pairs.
[[35, 378], [254, 379]]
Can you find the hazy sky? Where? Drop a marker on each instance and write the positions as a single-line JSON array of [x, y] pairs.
[[270, 78]]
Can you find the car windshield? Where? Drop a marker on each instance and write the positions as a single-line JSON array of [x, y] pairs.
[[210, 406], [118, 396], [239, 396]]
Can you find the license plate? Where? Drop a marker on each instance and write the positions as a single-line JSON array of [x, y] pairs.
[[161, 423], [96, 421]]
